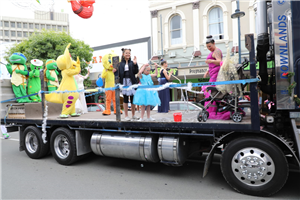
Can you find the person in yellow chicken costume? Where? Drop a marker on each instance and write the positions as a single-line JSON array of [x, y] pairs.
[[108, 75], [68, 68]]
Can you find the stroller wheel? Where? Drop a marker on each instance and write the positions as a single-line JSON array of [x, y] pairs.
[[237, 117], [205, 115], [199, 117]]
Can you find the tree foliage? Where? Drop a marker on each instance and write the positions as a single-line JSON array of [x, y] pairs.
[[50, 44]]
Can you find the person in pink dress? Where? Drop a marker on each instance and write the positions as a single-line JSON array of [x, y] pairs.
[[213, 60]]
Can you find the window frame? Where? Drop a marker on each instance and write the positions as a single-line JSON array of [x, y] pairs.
[[172, 30], [220, 34], [11, 33], [6, 24]]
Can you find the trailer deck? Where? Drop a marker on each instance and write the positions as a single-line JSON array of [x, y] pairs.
[[29, 113]]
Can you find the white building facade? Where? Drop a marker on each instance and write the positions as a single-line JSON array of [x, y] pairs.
[[179, 30], [17, 29]]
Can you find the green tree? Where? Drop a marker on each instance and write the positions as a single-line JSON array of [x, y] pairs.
[[49, 45]]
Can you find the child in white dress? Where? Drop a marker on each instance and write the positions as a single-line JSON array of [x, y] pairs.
[[80, 104], [144, 97]]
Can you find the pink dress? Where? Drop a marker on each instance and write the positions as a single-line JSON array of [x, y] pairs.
[[213, 73]]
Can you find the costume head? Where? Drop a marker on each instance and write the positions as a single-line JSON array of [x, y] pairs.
[[51, 64], [87, 3], [64, 61], [107, 60], [36, 64], [17, 58]]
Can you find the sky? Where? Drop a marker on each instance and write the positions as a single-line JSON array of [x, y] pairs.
[[112, 21]]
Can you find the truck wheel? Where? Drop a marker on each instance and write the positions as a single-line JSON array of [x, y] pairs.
[[33, 143], [254, 166], [63, 146]]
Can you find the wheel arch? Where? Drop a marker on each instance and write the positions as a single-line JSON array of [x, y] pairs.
[[225, 139]]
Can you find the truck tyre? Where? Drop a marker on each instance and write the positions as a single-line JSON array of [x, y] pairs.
[[254, 166], [33, 143], [63, 146]]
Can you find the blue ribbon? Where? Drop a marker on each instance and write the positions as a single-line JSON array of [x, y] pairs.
[[245, 81]]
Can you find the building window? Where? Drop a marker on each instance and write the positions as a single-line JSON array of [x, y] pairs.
[[25, 34], [13, 40], [12, 24], [59, 28], [19, 25], [6, 24], [19, 40], [216, 23], [6, 40], [48, 26], [54, 27], [25, 25], [13, 33], [31, 25], [30, 33], [176, 30], [6, 33], [1, 24], [37, 26], [1, 33], [43, 26], [65, 28], [19, 33]]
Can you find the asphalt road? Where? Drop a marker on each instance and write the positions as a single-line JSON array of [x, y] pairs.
[[98, 177]]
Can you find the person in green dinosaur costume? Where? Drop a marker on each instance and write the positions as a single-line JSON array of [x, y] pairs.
[[18, 71], [34, 81], [51, 75]]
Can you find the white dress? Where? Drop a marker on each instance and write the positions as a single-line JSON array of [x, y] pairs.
[[80, 104]]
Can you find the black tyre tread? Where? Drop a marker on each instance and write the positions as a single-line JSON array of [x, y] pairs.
[[42, 150], [278, 157], [73, 151]]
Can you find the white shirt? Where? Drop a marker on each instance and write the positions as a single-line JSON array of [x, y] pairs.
[[126, 67]]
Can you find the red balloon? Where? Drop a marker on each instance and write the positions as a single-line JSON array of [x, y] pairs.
[[83, 8]]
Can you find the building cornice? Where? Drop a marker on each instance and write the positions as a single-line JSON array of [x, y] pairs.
[[162, 6]]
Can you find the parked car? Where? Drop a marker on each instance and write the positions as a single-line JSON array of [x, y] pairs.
[[181, 105], [95, 107]]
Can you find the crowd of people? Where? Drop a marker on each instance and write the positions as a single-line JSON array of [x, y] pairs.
[[129, 72]]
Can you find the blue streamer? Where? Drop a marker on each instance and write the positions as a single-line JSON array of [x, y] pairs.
[[253, 80]]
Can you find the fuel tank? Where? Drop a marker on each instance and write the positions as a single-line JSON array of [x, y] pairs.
[[172, 150], [135, 147]]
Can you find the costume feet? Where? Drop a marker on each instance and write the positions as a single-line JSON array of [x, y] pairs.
[[75, 115], [5, 135], [106, 112], [63, 116]]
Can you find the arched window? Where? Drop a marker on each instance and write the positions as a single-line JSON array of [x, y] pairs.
[[176, 30], [216, 23]]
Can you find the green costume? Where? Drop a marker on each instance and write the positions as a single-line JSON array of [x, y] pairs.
[[18, 72], [34, 81], [51, 75]]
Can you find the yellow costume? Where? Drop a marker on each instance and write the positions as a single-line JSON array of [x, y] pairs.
[[68, 69], [109, 76]]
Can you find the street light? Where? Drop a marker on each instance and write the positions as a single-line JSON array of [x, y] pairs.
[[238, 14]]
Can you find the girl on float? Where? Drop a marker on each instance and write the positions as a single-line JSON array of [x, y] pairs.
[[144, 97], [127, 71], [164, 95]]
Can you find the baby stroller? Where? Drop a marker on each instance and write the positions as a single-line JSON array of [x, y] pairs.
[[226, 101]]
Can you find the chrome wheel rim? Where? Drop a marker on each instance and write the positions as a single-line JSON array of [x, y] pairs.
[[31, 142], [253, 166], [237, 117], [61, 146]]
